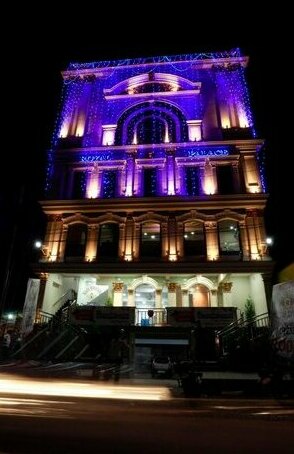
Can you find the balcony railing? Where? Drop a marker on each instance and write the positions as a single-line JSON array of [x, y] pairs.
[[151, 317]]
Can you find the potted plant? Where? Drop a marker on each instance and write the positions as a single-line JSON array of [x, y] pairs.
[[249, 309]]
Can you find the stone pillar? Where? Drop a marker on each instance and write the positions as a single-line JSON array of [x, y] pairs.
[[128, 239], [253, 244], [164, 240], [210, 181], [185, 298], [236, 178], [172, 240], [172, 294], [136, 243], [91, 246], [130, 174], [131, 297], [63, 242], [226, 288], [212, 247], [244, 241], [43, 281], [158, 298], [180, 239], [117, 293], [170, 172], [213, 298], [92, 183]]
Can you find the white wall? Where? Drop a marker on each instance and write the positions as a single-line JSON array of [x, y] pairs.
[[56, 287], [258, 293], [240, 292], [249, 286]]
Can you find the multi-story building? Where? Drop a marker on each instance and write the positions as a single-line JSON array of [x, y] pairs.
[[155, 195]]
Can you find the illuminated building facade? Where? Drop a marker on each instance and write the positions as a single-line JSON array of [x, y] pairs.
[[155, 189]]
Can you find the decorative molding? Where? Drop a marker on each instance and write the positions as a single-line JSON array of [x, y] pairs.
[[117, 286], [172, 287], [226, 287]]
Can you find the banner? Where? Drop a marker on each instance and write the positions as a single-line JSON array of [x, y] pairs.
[[204, 317], [282, 335], [30, 306]]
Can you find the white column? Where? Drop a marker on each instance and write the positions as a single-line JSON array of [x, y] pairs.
[[185, 298], [117, 293], [172, 294], [131, 298], [158, 298]]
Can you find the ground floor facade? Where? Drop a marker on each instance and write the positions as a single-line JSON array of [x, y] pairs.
[[154, 291]]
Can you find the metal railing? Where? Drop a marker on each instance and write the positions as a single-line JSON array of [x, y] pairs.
[[151, 317], [250, 327], [69, 295]]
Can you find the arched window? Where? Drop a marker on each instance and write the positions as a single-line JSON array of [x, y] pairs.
[[194, 240], [151, 129], [151, 122], [108, 241], [199, 296], [76, 242], [145, 296], [229, 238], [150, 240]]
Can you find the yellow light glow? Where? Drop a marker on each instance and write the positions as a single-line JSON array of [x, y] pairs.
[[194, 130], [64, 130], [243, 121], [174, 87], [166, 135], [209, 180], [173, 257], [80, 127], [209, 186], [108, 134], [135, 140], [20, 385], [225, 121], [92, 187]]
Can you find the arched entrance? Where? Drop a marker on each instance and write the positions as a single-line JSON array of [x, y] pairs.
[[145, 296], [199, 296]]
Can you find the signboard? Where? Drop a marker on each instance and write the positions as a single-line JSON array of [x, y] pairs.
[[215, 317], [180, 316], [30, 306], [204, 317], [282, 335], [103, 315]]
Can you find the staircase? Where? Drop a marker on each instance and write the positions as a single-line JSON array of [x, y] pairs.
[[53, 337], [244, 344]]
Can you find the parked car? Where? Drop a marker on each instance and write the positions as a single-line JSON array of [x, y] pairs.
[[161, 365]]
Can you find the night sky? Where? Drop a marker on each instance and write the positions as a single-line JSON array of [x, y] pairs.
[[44, 47]]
